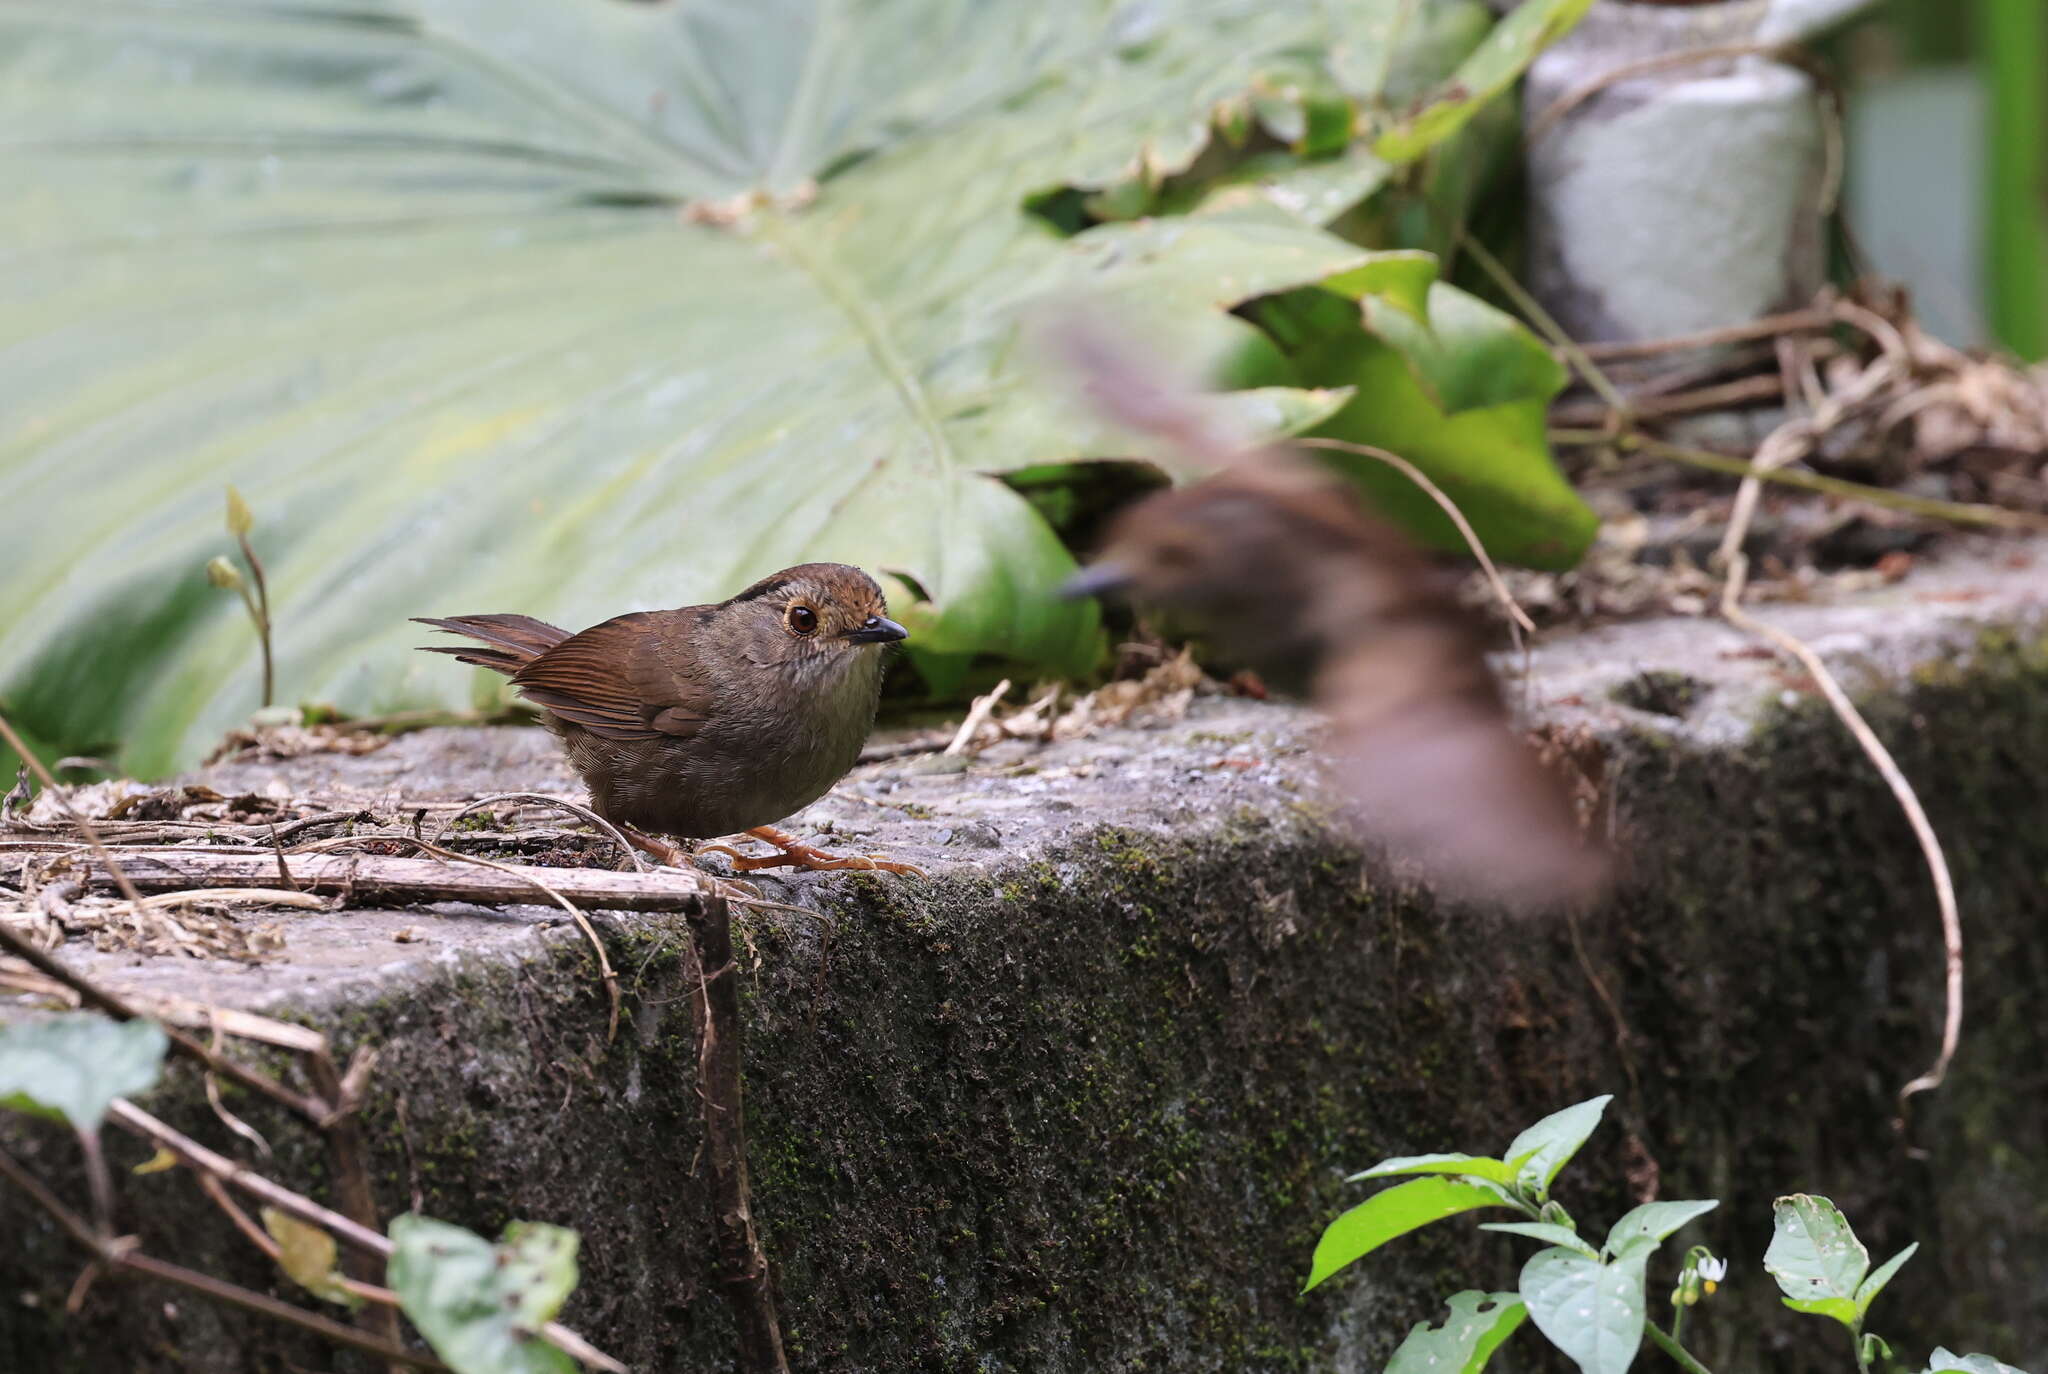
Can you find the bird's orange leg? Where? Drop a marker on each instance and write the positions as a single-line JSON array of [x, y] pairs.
[[793, 853], [654, 847], [673, 855]]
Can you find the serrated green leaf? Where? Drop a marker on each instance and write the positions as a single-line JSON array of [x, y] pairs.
[[564, 308], [72, 1067], [1548, 1146], [1591, 1311], [1395, 1212], [1654, 1221], [1867, 1291], [1550, 1233], [1477, 1324], [1475, 1166], [482, 1306], [1815, 1257], [1497, 63]]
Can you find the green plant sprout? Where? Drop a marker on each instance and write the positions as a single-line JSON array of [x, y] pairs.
[[224, 574], [1591, 1302]]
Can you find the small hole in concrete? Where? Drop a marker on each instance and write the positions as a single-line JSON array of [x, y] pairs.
[[1661, 692]]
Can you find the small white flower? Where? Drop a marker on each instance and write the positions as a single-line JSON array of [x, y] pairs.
[[1712, 1271]]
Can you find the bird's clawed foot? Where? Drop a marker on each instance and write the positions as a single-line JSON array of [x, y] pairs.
[[793, 853], [672, 855]]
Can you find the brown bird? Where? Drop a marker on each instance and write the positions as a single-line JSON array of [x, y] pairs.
[[1277, 560], [708, 720], [1275, 556]]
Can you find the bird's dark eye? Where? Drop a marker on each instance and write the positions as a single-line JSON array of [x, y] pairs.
[[803, 620]]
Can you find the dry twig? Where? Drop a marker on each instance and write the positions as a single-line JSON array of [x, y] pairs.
[[744, 1264], [977, 716], [582, 813]]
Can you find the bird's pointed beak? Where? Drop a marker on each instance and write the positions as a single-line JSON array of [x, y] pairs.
[[878, 630], [1099, 580]]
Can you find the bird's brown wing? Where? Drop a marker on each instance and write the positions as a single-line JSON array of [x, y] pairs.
[[611, 680]]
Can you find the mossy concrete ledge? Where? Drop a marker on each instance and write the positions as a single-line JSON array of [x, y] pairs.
[[1084, 1099]]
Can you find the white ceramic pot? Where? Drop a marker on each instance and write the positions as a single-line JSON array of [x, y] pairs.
[[1674, 201]]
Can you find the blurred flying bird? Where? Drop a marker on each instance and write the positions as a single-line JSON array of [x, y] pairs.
[[1276, 558]]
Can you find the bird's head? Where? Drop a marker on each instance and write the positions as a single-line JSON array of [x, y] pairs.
[[815, 620]]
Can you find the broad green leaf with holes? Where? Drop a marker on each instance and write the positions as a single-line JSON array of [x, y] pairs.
[[482, 1306], [571, 307], [1477, 1324], [1395, 1212], [1591, 1311], [72, 1067], [1815, 1257]]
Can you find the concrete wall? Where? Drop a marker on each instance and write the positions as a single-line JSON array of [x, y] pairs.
[[1084, 1099]]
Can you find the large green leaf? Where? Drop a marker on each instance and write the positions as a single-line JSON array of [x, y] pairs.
[[1546, 1147], [1410, 65], [1943, 1361], [1651, 1222], [1591, 1311], [72, 1067], [482, 1306], [1462, 393], [1396, 1212], [1473, 1166], [1488, 70], [1549, 1232], [417, 277], [1477, 1325]]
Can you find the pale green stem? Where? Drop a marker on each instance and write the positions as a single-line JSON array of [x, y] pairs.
[[1670, 1346]]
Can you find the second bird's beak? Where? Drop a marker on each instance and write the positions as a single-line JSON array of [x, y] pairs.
[[1099, 580], [878, 630]]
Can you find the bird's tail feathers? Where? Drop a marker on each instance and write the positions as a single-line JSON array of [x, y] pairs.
[[508, 642]]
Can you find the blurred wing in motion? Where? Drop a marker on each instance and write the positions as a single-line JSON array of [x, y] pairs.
[[1277, 558]]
